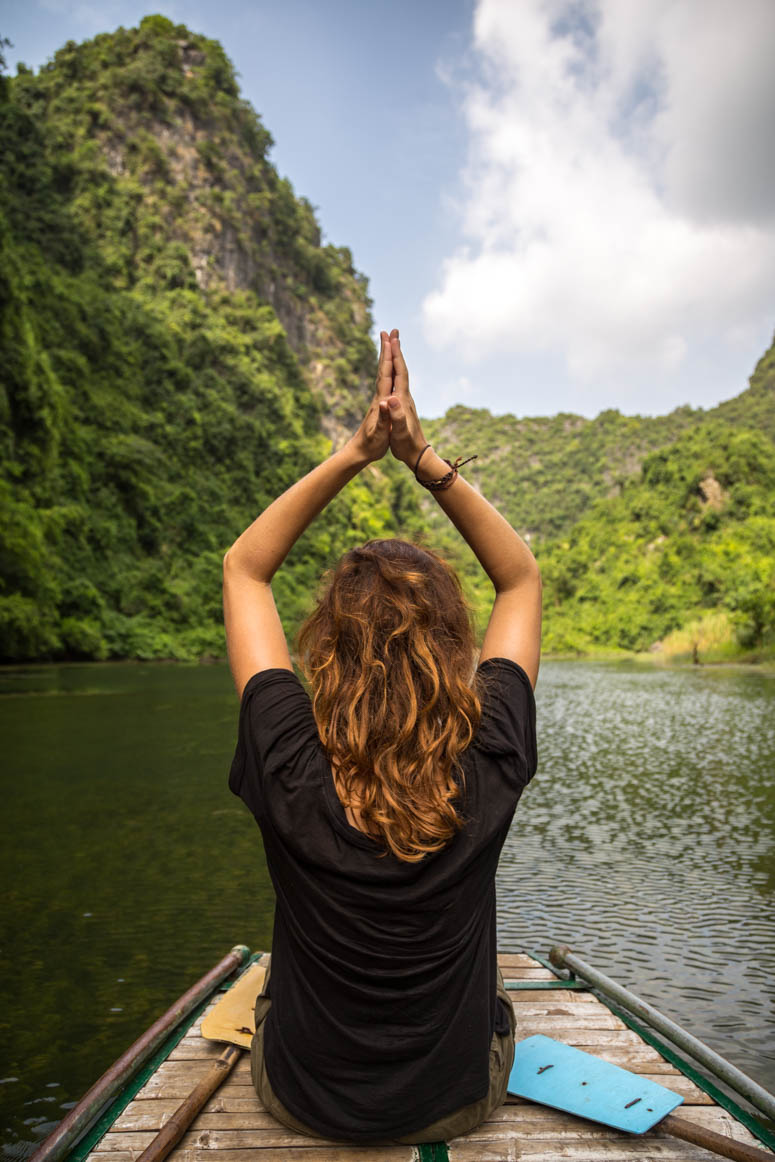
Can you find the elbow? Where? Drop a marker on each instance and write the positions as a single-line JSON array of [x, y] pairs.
[[526, 576], [537, 581], [229, 562]]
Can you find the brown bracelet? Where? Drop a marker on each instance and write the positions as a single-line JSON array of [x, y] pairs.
[[445, 481], [417, 463]]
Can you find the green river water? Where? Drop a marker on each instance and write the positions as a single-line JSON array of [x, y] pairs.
[[646, 841]]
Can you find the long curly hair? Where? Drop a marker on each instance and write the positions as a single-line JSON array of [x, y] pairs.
[[389, 656]]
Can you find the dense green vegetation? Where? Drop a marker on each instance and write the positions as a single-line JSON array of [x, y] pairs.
[[644, 527], [146, 419], [692, 533], [178, 346]]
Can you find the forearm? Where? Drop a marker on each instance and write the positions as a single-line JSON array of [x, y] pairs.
[[502, 553], [263, 547]]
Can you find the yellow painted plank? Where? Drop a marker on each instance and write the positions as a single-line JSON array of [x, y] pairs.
[[232, 1018]]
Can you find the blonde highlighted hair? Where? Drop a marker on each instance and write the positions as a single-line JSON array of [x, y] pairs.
[[389, 655]]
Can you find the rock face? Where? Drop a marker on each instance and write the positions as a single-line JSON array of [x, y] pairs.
[[190, 198], [712, 493]]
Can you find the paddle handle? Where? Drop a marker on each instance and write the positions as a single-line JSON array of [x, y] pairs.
[[716, 1143], [173, 1130]]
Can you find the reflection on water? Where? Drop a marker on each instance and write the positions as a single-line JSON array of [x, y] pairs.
[[645, 842]]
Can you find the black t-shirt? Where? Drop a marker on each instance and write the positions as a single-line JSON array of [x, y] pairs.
[[383, 972]]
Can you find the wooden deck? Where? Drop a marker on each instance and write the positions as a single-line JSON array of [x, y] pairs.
[[234, 1127]]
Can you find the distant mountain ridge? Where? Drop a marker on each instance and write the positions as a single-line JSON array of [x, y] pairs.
[[546, 471]]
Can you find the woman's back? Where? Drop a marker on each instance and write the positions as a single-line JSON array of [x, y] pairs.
[[383, 970]]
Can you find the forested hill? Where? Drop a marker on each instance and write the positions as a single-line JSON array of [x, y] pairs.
[[546, 471], [653, 534], [178, 346]]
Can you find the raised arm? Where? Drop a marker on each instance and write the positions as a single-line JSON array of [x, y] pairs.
[[254, 634], [514, 628]]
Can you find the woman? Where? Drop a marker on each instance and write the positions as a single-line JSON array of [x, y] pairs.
[[384, 802]]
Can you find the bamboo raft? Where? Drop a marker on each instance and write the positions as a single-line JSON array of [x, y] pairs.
[[234, 1127]]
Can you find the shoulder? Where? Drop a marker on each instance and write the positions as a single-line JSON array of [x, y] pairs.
[[276, 729], [508, 724]]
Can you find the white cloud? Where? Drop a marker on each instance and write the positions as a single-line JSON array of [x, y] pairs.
[[619, 200]]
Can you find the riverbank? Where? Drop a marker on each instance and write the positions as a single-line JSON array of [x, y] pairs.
[[757, 661], [709, 640]]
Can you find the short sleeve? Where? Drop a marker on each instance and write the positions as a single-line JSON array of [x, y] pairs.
[[508, 725], [276, 730]]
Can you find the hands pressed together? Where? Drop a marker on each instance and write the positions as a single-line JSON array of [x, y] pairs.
[[391, 421]]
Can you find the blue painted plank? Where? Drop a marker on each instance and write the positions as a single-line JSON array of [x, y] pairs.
[[557, 1075]]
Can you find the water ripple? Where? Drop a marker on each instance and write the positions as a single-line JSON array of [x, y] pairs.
[[646, 843]]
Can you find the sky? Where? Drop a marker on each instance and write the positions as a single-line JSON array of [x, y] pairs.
[[564, 205]]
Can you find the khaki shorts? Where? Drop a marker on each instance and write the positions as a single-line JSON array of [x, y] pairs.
[[460, 1122]]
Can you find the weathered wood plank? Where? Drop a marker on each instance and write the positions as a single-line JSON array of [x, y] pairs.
[[584, 1017], [180, 1085], [539, 1122], [620, 1039], [516, 960], [310, 1153], [552, 996], [200, 1048], [536, 973], [197, 1068], [547, 1005], [151, 1109], [203, 1140], [152, 1115], [591, 1151]]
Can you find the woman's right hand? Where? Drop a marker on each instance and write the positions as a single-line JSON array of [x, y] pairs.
[[406, 438]]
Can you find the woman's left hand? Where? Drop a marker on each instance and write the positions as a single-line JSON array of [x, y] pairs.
[[373, 436]]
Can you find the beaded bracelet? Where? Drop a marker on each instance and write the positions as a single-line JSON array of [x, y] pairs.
[[447, 479]]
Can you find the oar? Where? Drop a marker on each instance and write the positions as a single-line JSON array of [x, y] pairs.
[[568, 1079], [230, 1020]]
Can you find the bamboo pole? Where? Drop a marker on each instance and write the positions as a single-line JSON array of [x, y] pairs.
[[174, 1129], [112, 1081], [710, 1140]]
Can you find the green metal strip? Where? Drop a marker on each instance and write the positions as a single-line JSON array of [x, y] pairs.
[[433, 1152], [84, 1146], [723, 1099], [529, 985]]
